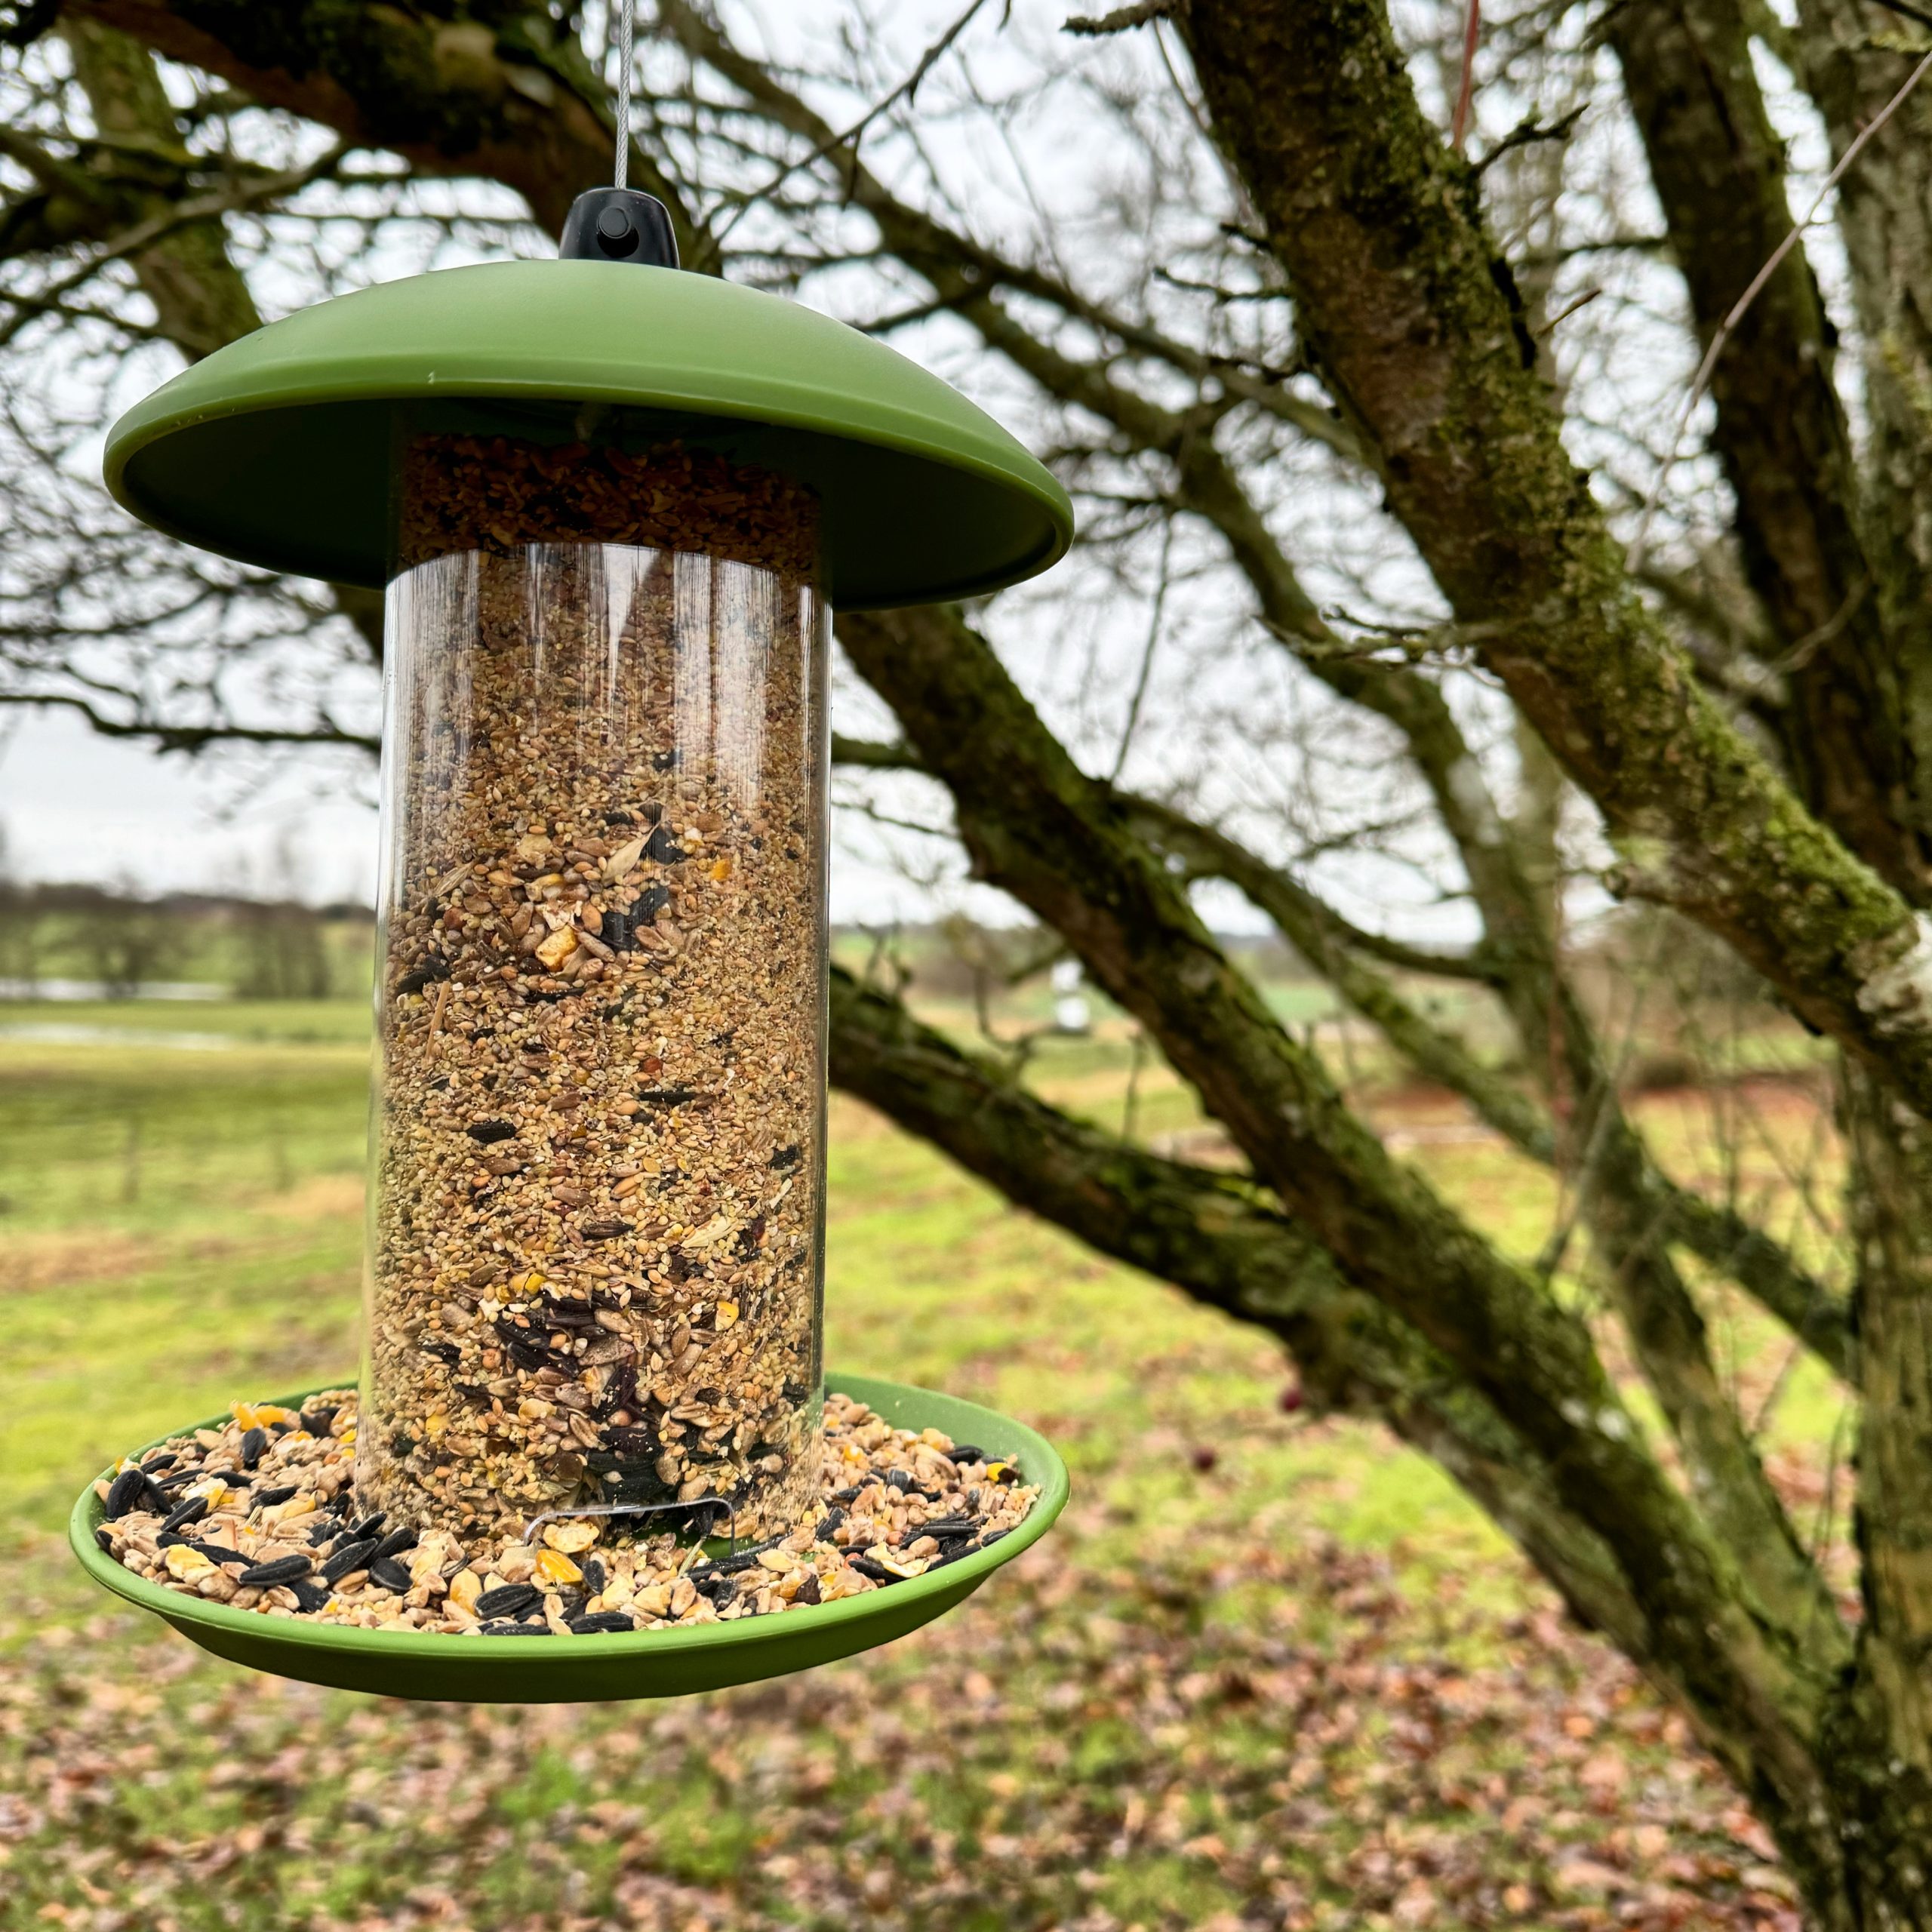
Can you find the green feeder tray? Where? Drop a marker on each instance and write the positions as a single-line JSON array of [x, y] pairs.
[[646, 1663], [278, 449]]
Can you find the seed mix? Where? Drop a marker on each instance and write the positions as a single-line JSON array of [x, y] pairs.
[[890, 1504], [596, 1264]]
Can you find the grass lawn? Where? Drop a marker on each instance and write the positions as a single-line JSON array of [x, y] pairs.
[[1270, 1671]]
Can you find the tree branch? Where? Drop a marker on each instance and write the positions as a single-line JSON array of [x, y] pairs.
[[1414, 323], [510, 100], [189, 738], [1717, 166], [1662, 1208], [1034, 826], [1212, 1236]]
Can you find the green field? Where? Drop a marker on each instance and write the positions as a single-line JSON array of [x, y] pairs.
[[1270, 1671]]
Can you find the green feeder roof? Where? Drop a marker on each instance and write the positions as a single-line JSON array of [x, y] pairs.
[[277, 449]]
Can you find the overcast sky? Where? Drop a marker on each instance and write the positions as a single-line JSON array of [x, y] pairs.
[[74, 806]]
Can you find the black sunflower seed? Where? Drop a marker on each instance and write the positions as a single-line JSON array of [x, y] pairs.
[[394, 1544], [310, 1596], [593, 1576], [268, 1498], [370, 1526], [318, 1421], [216, 1552], [154, 1465], [321, 1532], [528, 1348], [877, 1572], [662, 846], [785, 1157], [968, 1452], [834, 1520], [253, 1443], [719, 1589], [508, 1599], [283, 1569], [183, 1514], [807, 1592], [516, 1630], [390, 1575], [103, 1541], [600, 1622], [431, 971], [943, 1526], [487, 1131], [127, 1488], [350, 1556]]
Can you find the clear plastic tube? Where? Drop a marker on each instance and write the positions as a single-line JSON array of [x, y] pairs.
[[595, 1250]]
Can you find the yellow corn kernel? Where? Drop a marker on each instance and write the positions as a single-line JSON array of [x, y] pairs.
[[722, 871], [558, 947], [190, 1565], [727, 1315], [554, 1567]]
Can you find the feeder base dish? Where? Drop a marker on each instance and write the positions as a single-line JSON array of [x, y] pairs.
[[645, 1663]]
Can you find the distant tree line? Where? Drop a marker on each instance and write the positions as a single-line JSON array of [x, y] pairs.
[[253, 949]]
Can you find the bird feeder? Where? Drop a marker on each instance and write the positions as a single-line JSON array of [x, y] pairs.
[[613, 506]]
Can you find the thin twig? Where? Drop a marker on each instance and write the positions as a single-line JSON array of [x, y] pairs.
[[1527, 131], [1146, 657], [851, 136], [1728, 327], [184, 215], [1120, 20], [1465, 86]]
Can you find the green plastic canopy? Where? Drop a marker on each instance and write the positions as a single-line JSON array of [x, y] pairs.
[[278, 450]]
